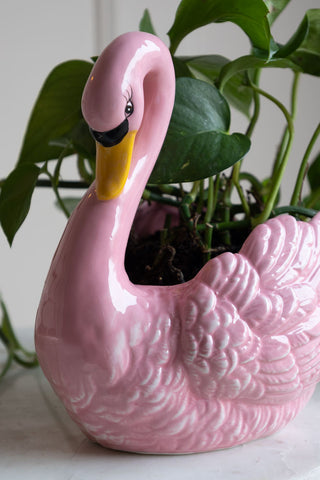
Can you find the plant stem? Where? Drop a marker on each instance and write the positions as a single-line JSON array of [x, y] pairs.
[[13, 346], [213, 192], [56, 173], [72, 184], [280, 152], [210, 202], [256, 184], [7, 365], [295, 210], [285, 136], [281, 169], [195, 189], [304, 167], [227, 225], [84, 174], [207, 219], [236, 169], [294, 94], [200, 198], [168, 189], [235, 180], [152, 196], [216, 194], [54, 184], [59, 199], [225, 236], [256, 111]]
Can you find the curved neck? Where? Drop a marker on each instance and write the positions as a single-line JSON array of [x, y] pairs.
[[159, 89], [105, 225]]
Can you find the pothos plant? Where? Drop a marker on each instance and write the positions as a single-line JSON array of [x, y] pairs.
[[201, 168]]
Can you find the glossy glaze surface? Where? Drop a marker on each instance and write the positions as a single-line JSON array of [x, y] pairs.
[[230, 356], [41, 442]]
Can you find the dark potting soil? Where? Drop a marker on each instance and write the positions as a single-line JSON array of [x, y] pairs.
[[176, 259]]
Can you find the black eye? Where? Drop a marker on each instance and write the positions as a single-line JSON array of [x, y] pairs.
[[129, 108]]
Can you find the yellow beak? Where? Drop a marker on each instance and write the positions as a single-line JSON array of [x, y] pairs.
[[112, 167]]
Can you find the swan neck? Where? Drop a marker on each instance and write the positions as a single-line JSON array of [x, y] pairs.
[[159, 89]]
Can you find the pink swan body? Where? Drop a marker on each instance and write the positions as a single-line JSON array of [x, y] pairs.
[[230, 356]]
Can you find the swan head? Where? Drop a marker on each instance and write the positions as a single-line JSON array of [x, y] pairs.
[[113, 106]]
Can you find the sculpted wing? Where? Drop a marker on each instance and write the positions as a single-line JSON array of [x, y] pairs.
[[251, 326]]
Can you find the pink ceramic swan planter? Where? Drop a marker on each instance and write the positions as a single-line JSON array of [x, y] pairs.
[[230, 356]]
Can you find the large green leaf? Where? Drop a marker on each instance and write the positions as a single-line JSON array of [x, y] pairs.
[[295, 40], [208, 68], [78, 140], [181, 69], [283, 58], [248, 62], [249, 15], [197, 144], [15, 197], [307, 56], [275, 7], [56, 112]]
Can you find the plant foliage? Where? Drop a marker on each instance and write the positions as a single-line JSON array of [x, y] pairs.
[[56, 128]]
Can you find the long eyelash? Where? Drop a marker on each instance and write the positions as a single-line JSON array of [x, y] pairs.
[[128, 95]]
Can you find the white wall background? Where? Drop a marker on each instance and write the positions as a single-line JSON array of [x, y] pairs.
[[35, 36]]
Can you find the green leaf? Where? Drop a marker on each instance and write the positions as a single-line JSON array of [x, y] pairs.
[[7, 363], [15, 198], [15, 351], [145, 24], [70, 202], [56, 112], [82, 141], [312, 200], [208, 68], [249, 15], [197, 144], [295, 41], [181, 68], [248, 62], [7, 329], [275, 7], [78, 141], [307, 56], [314, 174]]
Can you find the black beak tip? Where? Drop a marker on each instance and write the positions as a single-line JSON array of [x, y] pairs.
[[111, 137]]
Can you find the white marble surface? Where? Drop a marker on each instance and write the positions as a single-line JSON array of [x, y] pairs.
[[38, 441]]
